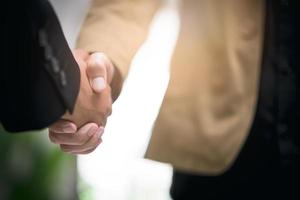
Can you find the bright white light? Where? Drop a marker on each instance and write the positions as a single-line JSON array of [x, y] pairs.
[[117, 170], [71, 14]]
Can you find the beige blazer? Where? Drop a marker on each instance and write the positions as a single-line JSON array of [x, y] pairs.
[[211, 99]]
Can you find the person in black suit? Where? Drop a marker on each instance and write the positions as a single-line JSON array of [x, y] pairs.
[[43, 82]]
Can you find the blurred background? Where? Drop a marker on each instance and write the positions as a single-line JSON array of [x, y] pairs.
[[32, 168]]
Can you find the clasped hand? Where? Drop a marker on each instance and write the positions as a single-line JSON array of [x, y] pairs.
[[81, 131]]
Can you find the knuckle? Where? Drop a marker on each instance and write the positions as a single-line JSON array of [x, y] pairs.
[[54, 128]]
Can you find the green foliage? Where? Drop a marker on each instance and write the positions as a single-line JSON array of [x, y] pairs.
[[33, 168]]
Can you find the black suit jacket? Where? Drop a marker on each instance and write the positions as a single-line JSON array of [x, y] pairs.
[[39, 76]]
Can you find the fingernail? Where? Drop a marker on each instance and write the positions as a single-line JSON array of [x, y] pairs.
[[98, 84], [92, 131], [68, 128]]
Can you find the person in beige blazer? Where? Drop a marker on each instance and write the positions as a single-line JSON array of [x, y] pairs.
[[219, 124]]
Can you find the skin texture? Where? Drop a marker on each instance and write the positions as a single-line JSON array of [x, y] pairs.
[[93, 105]]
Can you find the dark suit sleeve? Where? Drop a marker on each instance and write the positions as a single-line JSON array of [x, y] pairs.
[[39, 76]]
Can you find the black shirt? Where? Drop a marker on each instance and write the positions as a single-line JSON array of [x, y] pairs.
[[286, 98]]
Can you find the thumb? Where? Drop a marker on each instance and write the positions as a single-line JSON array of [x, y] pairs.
[[97, 71]]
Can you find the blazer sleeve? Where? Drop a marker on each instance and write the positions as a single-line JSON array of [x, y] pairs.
[[117, 28], [39, 75]]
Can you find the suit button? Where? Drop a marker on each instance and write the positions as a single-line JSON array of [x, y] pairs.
[[48, 52], [43, 39], [55, 64], [63, 78]]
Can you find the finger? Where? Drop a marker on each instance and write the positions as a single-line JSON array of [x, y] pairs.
[[97, 71], [63, 126], [80, 53], [78, 138], [92, 143], [82, 153], [79, 151], [89, 151]]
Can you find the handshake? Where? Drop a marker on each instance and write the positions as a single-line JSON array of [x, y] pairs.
[[81, 131]]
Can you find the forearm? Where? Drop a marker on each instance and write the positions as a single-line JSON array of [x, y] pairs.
[[117, 28], [39, 77]]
